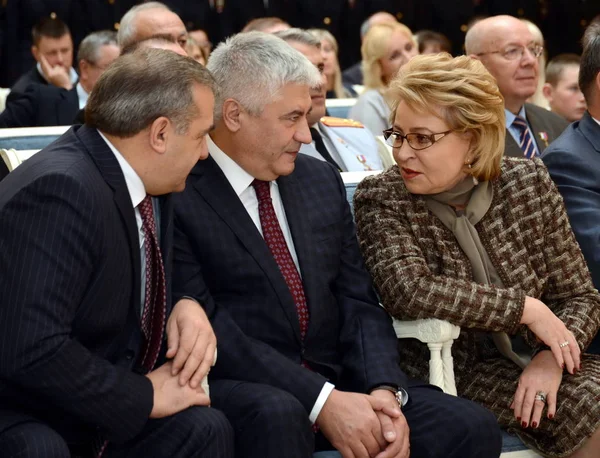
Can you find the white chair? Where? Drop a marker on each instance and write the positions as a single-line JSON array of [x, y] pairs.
[[27, 138], [4, 91], [13, 158], [339, 108]]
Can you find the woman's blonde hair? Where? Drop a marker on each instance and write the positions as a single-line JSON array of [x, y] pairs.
[[374, 47], [325, 35], [466, 96]]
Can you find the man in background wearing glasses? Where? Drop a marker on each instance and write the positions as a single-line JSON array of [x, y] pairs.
[[506, 47]]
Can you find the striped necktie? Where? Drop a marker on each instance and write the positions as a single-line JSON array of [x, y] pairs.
[[526, 143]]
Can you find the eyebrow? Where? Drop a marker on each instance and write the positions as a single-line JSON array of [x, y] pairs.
[[413, 129], [295, 113], [206, 131]]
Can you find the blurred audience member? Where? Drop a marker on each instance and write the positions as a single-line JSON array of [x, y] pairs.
[[53, 51], [330, 49], [195, 52], [201, 37], [538, 97], [345, 144], [457, 232], [562, 87], [574, 161], [354, 74], [385, 49], [148, 19], [266, 24], [510, 52], [430, 42], [46, 105]]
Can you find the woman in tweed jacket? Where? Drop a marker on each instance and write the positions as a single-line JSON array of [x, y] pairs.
[[456, 233]]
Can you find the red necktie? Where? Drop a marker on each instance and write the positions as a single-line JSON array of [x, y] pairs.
[[273, 236], [155, 303]]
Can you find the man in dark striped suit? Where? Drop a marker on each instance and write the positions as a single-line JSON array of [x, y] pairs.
[[85, 310]]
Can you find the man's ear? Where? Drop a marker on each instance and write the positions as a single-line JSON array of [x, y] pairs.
[[84, 66], [35, 52], [548, 90], [159, 131], [232, 114], [474, 56]]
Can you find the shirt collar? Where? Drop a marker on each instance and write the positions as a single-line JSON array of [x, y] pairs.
[[135, 185], [82, 95], [510, 116], [597, 120], [72, 73], [237, 176]]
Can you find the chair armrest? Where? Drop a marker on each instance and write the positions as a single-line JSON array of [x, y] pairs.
[[430, 330]]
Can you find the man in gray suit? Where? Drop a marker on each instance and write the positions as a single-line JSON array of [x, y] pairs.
[[346, 144], [507, 48]]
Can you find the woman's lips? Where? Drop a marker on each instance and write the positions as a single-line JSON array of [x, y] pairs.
[[409, 174]]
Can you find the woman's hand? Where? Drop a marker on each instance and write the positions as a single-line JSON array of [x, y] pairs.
[[542, 374], [553, 332]]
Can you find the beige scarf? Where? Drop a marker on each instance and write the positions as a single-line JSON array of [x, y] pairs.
[[476, 200]]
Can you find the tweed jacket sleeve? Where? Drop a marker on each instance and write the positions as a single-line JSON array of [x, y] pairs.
[[395, 232], [569, 291]]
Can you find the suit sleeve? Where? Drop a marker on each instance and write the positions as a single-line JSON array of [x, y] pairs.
[[367, 338], [48, 256], [20, 110], [240, 356], [570, 293]]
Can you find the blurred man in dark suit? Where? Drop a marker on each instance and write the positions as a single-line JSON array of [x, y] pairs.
[[53, 52], [85, 271], [264, 240], [506, 47], [573, 161], [47, 105]]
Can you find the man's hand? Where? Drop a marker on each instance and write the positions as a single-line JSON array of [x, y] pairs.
[[169, 396], [191, 342], [395, 431], [57, 75], [349, 421]]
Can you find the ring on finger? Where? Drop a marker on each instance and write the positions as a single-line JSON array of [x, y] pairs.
[[540, 396], [563, 344]]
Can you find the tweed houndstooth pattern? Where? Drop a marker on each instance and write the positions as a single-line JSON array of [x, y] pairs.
[[421, 272], [155, 303], [275, 240]]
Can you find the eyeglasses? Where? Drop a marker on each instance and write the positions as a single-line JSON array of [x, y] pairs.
[[516, 52], [415, 141]]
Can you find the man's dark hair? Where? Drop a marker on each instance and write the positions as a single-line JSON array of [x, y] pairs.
[[142, 86], [590, 60], [49, 27], [427, 36]]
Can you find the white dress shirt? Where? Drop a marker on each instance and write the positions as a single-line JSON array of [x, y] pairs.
[[82, 95], [137, 193], [241, 182]]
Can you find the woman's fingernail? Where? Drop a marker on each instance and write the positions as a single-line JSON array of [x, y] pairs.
[[518, 418], [550, 416], [534, 424], [524, 424]]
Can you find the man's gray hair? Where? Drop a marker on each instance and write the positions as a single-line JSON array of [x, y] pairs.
[[590, 61], [142, 86], [299, 36], [127, 27], [89, 49], [253, 67]]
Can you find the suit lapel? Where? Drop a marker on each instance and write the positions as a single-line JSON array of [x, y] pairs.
[[511, 148], [211, 183], [296, 210], [111, 171], [535, 124], [67, 108]]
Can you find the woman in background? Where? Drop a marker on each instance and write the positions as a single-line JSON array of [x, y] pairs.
[[385, 49], [459, 233]]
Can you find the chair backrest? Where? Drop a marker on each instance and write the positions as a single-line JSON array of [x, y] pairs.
[[4, 91], [351, 180], [13, 158], [30, 138], [339, 108]]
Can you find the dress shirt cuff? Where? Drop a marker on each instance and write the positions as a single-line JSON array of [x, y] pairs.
[[320, 402]]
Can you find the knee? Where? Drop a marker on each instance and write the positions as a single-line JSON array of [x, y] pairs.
[[33, 440], [211, 428], [282, 409], [478, 433]]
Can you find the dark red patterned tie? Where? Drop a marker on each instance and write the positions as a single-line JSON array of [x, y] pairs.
[[155, 303], [273, 236]]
